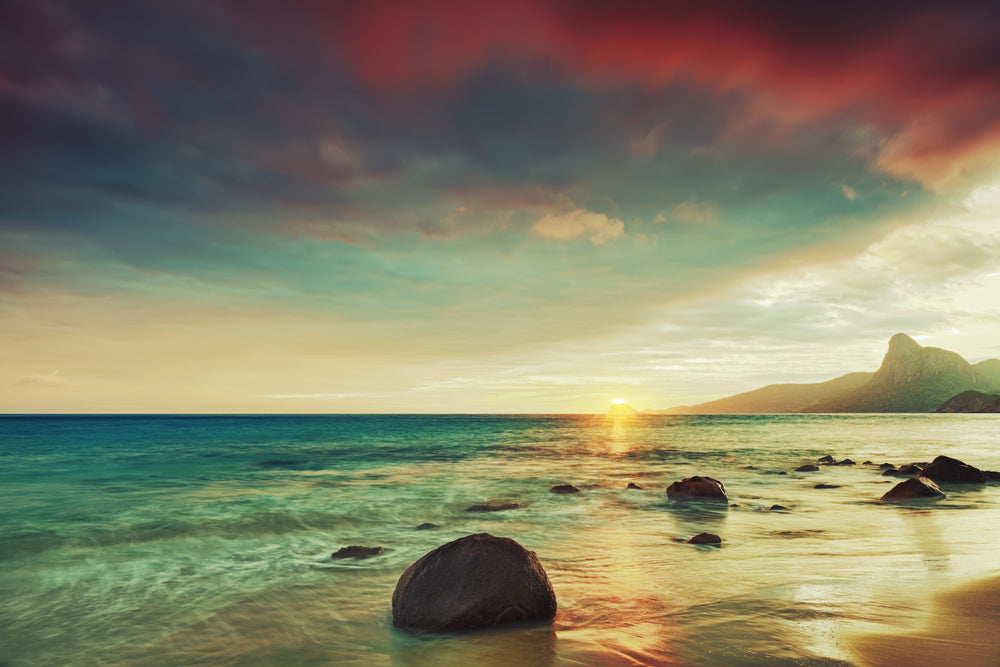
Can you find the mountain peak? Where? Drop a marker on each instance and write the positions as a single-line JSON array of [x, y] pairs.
[[903, 343]]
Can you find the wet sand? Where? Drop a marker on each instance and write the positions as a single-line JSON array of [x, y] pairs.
[[962, 628]]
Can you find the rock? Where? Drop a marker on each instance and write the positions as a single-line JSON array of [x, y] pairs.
[[777, 508], [868, 463], [822, 485], [847, 462], [477, 581], [427, 526], [909, 470], [705, 538], [564, 488], [827, 459], [913, 488], [887, 466], [947, 469], [992, 476], [277, 463], [697, 487], [493, 506], [807, 468], [631, 485], [748, 467], [357, 552]]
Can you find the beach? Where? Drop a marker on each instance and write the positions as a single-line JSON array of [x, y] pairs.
[[208, 540]]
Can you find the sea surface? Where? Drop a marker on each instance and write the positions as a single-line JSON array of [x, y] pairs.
[[207, 540]]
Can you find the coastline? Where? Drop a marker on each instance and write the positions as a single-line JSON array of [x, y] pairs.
[[961, 628]]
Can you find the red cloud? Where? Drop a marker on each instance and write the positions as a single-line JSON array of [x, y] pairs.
[[922, 70]]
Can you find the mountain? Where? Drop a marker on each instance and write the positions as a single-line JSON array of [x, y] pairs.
[[971, 401], [777, 397], [911, 379]]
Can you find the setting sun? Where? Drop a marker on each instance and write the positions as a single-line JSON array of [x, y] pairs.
[[619, 401]]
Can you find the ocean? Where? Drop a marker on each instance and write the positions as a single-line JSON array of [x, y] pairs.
[[207, 540]]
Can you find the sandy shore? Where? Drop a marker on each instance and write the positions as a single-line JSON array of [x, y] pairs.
[[962, 628]]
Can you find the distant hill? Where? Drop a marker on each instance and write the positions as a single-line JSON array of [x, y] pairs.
[[971, 401], [777, 397], [911, 379]]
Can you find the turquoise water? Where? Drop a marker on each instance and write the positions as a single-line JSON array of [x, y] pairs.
[[158, 540]]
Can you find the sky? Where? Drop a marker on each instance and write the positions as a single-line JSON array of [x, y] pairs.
[[495, 207]]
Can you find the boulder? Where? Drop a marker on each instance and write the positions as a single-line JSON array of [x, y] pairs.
[[909, 470], [947, 469], [564, 488], [477, 581], [355, 551], [777, 508], [847, 462], [705, 538], [827, 459], [914, 488], [887, 466], [632, 485], [807, 468], [493, 506], [697, 487]]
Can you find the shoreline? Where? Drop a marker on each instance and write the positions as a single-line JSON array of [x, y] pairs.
[[962, 627]]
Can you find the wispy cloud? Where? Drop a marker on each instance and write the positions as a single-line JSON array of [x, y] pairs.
[[52, 379]]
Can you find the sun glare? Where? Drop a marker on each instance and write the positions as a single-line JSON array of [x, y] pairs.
[[619, 401]]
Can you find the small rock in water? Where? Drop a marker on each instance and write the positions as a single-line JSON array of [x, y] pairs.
[[697, 487], [827, 459], [947, 469], [632, 485], [809, 467], [909, 470], [493, 506], [914, 488], [355, 551], [427, 526], [705, 538], [777, 508], [992, 475], [748, 467], [564, 488], [887, 466], [868, 463], [847, 462], [823, 485], [477, 581]]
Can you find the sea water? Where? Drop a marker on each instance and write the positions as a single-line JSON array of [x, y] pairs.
[[207, 540]]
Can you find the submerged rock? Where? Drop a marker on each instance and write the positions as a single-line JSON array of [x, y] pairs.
[[493, 506], [356, 551], [909, 470], [632, 485], [847, 462], [914, 488], [947, 469], [705, 538], [992, 475], [823, 485], [564, 488], [777, 508], [809, 467], [427, 526], [477, 581], [697, 487]]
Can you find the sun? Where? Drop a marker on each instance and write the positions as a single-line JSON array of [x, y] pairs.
[[619, 401]]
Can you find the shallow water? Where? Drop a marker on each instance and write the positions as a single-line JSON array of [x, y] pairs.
[[207, 540]]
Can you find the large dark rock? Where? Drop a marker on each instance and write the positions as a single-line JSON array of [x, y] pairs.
[[914, 488], [493, 506], [909, 470], [477, 581], [992, 475], [356, 551], [705, 538], [809, 467], [564, 488], [633, 485], [947, 469], [697, 487], [827, 459]]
